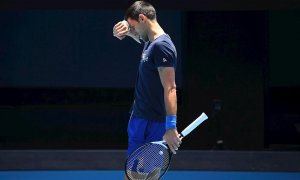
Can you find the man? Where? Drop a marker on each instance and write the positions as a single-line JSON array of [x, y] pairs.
[[153, 116]]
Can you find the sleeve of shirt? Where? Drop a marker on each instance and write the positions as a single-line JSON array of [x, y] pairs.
[[164, 55]]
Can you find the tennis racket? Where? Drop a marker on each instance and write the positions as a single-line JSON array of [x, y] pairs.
[[151, 160]]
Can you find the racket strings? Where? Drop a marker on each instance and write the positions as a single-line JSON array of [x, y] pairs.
[[150, 161]]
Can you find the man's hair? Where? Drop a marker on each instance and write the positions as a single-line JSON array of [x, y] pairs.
[[140, 7]]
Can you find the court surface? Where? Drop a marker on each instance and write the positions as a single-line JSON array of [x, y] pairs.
[[171, 175]]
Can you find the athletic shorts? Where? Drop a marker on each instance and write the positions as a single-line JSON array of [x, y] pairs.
[[141, 131]]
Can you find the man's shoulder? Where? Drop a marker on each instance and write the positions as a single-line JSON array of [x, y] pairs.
[[163, 42]]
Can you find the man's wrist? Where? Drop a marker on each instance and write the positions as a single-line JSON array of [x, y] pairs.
[[171, 121]]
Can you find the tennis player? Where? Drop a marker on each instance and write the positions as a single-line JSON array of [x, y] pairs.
[[153, 116]]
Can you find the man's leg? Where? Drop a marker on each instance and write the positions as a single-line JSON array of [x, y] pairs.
[[136, 137]]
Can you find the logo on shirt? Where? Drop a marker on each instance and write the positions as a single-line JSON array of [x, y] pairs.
[[164, 60], [144, 58]]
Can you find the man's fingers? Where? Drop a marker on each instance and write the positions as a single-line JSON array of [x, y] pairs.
[[120, 31], [124, 32], [174, 146], [173, 140], [115, 28], [121, 28], [172, 149], [118, 24]]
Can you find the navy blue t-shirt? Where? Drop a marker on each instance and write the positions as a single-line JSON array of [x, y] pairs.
[[149, 92]]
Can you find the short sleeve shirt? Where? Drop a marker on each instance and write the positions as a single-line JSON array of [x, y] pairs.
[[149, 92]]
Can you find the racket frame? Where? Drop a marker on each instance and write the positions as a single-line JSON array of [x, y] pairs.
[[183, 134], [162, 143]]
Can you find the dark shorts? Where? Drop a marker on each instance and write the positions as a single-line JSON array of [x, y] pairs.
[[141, 131]]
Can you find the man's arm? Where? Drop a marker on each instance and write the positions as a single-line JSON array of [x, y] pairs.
[[121, 30], [167, 77]]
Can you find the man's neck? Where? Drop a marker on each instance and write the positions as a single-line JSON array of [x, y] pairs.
[[154, 30]]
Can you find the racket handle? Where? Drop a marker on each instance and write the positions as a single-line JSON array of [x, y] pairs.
[[194, 124]]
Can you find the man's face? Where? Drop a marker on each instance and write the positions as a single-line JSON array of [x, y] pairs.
[[138, 28]]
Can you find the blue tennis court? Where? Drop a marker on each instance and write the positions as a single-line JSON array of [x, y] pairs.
[[174, 175], [191, 165]]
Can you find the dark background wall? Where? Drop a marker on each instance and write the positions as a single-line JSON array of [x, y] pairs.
[[65, 82], [283, 120], [226, 55], [75, 48]]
